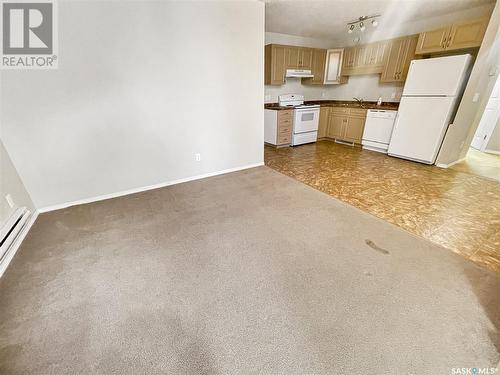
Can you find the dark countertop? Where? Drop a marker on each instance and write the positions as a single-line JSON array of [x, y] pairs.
[[340, 103]]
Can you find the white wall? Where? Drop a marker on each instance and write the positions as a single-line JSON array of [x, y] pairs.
[[141, 87], [11, 184]]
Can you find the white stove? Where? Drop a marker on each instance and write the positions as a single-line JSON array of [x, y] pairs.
[[305, 118]]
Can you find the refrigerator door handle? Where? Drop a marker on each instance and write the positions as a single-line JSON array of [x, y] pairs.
[[396, 123]]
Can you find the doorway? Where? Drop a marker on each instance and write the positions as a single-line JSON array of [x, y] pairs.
[[483, 158], [487, 131]]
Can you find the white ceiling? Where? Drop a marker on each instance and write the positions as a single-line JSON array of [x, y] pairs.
[[327, 19]]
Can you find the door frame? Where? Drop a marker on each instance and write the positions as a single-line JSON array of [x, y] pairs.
[[490, 128]]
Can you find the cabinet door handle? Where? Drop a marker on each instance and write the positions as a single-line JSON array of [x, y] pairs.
[[446, 42], [449, 42]]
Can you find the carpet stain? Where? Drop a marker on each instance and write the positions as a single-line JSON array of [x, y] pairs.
[[375, 247]]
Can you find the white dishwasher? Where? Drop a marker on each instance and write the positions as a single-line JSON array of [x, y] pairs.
[[378, 129]]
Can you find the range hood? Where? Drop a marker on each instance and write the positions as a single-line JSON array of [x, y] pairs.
[[298, 73]]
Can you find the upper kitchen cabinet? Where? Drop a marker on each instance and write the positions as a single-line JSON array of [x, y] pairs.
[[372, 56], [305, 58], [461, 35], [326, 68], [333, 67], [467, 34], [399, 54], [364, 59], [275, 64], [298, 57], [279, 58], [318, 68], [349, 61], [432, 41]]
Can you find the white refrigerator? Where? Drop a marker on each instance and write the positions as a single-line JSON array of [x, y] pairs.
[[431, 94]]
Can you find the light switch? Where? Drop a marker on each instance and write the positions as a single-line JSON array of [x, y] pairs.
[[475, 98]]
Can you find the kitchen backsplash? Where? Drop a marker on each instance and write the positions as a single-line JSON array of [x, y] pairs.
[[363, 86]]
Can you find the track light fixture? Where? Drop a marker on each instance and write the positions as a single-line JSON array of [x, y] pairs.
[[360, 23]]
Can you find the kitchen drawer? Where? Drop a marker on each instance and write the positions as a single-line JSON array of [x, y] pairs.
[[358, 112], [285, 129], [339, 111], [284, 121], [284, 115], [284, 138]]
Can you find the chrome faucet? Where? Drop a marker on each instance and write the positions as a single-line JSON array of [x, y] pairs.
[[359, 100]]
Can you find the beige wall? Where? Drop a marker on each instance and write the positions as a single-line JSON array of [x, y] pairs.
[[482, 79], [11, 184], [141, 88]]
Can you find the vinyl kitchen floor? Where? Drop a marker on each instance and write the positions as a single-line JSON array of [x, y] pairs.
[[457, 210], [481, 164]]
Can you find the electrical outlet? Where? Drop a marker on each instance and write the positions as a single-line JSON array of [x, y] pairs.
[[267, 97], [323, 94], [9, 200], [475, 98], [197, 157], [393, 95]]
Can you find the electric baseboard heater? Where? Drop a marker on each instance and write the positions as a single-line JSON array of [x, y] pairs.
[[11, 229]]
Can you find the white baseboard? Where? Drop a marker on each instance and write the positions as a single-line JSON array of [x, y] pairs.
[[145, 188], [442, 165], [17, 243], [492, 151]]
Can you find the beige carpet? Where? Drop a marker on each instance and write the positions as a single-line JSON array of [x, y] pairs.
[[246, 273]]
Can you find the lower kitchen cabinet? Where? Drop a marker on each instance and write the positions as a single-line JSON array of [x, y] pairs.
[[278, 127], [324, 114], [354, 129], [346, 124], [336, 126]]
